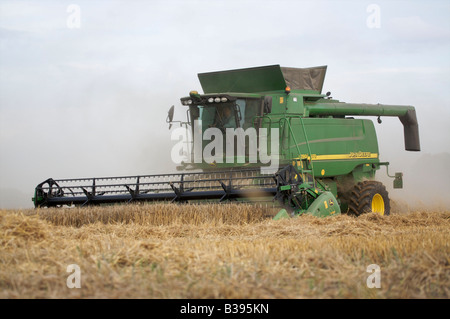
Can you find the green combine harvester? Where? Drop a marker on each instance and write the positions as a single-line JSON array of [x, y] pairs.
[[264, 134]]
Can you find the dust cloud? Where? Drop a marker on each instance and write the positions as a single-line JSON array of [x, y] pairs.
[[426, 184]]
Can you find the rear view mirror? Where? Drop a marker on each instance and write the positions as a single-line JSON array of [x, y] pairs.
[[170, 116]]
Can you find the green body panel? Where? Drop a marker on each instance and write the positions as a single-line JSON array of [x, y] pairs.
[[335, 146], [250, 80], [325, 205], [282, 214]]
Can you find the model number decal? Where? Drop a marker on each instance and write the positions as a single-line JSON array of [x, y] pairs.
[[359, 154]]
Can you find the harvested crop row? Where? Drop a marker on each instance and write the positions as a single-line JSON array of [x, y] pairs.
[[158, 254]]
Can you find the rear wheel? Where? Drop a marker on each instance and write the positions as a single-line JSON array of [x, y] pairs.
[[369, 196]]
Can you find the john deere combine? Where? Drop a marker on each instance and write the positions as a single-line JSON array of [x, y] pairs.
[[262, 134]]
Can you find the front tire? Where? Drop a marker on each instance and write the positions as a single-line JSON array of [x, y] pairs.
[[369, 196]]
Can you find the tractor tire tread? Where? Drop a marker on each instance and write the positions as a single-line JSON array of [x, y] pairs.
[[360, 200]]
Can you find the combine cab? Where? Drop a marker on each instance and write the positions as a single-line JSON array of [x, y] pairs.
[[262, 134]]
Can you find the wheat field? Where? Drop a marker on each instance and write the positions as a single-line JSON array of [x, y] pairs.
[[221, 251]]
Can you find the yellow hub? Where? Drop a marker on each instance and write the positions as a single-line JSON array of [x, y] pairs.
[[378, 204]]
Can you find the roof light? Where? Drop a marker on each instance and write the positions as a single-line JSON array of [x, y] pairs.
[[210, 100], [224, 99], [217, 99], [287, 90]]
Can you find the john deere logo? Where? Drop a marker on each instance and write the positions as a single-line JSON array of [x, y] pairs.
[[359, 154]]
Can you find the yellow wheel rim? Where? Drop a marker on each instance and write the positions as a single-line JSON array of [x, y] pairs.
[[378, 204]]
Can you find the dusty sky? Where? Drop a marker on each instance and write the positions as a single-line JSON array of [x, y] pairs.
[[89, 97]]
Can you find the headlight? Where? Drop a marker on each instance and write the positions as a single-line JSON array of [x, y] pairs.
[[210, 100], [224, 99], [189, 102], [217, 99]]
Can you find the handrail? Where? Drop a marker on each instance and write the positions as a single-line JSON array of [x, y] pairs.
[[306, 141]]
